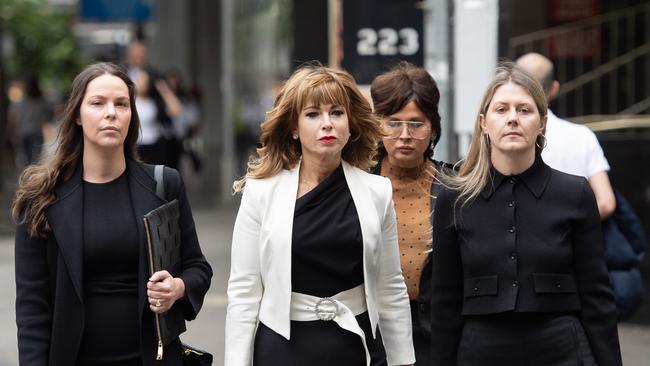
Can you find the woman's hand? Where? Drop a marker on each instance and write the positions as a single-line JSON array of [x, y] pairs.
[[163, 290], [173, 105]]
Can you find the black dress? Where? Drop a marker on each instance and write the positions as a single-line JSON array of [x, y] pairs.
[[111, 254], [327, 258]]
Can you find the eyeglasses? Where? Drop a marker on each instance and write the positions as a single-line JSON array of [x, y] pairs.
[[417, 130]]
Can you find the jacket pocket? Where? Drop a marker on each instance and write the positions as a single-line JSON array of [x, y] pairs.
[[481, 286], [554, 283]]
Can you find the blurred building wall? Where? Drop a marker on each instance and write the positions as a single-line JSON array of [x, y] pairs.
[[186, 35]]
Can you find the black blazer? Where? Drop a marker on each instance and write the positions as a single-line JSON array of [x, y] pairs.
[[49, 273], [527, 243]]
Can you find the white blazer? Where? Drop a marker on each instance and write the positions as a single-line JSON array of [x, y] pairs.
[[259, 288]]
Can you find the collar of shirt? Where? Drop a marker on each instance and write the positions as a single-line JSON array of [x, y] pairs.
[[534, 178]]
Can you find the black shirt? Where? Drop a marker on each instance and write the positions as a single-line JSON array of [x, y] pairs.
[[111, 256], [327, 245]]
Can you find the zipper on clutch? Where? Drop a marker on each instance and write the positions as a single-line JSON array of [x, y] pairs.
[[160, 350], [159, 354], [189, 351]]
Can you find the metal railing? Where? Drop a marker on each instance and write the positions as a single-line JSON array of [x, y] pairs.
[[602, 63]]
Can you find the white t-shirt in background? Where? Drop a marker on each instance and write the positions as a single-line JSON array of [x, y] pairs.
[[572, 148], [149, 127]]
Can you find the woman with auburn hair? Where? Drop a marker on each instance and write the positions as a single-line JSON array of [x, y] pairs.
[[407, 97], [83, 292], [315, 266], [519, 276]]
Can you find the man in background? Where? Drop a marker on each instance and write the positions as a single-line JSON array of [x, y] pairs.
[[571, 148]]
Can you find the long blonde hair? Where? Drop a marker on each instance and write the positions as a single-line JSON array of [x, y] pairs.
[[319, 85], [474, 172], [37, 182]]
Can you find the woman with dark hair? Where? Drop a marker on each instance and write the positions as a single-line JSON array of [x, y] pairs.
[[158, 107], [519, 276], [406, 97], [315, 277], [83, 292]]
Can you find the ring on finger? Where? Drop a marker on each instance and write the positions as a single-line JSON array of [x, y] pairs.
[[157, 303]]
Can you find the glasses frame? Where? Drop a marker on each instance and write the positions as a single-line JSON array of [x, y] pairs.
[[408, 125]]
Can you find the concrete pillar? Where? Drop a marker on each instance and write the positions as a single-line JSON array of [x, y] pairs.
[[475, 59], [170, 40], [438, 61], [207, 27], [187, 35]]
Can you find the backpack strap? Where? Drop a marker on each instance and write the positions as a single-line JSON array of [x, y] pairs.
[[160, 181]]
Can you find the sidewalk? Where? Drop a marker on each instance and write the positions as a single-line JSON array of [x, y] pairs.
[[207, 331]]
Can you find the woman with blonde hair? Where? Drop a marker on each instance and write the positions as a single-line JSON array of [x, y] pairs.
[[518, 270], [315, 271]]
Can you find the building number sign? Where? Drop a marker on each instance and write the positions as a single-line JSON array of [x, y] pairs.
[[377, 34], [388, 42]]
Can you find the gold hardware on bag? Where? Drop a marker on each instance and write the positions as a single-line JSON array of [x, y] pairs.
[[188, 351], [160, 351], [159, 355]]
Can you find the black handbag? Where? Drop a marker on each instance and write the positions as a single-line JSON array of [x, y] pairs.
[[164, 253], [195, 357]]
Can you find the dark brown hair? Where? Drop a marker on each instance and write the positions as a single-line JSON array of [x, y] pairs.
[[404, 83], [37, 183]]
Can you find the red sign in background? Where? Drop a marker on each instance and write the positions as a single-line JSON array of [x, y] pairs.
[[581, 42]]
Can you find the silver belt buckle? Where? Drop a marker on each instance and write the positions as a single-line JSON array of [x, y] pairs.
[[326, 309]]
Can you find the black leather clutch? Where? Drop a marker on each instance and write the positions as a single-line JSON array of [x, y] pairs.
[[164, 253], [195, 357]]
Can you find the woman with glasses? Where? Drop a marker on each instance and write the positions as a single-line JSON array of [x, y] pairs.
[[406, 97]]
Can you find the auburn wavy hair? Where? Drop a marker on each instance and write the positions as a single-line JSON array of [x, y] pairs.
[[313, 84], [37, 182]]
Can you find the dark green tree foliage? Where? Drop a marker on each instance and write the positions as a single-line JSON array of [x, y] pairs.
[[38, 41]]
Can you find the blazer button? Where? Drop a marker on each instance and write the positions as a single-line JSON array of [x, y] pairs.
[[557, 285], [515, 283], [511, 230], [513, 256], [475, 289], [511, 204]]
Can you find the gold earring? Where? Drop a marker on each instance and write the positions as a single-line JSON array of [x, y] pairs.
[[545, 141]]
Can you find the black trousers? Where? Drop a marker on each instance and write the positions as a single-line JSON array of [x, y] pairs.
[[524, 339], [318, 343], [421, 337]]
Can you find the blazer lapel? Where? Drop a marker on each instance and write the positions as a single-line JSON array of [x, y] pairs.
[[280, 221], [368, 218], [369, 221], [65, 216], [142, 189], [284, 208]]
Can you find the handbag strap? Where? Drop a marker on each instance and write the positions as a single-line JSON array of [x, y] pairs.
[[160, 181]]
